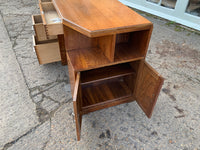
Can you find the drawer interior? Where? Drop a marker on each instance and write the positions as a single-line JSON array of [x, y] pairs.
[[37, 19], [107, 85], [49, 13]]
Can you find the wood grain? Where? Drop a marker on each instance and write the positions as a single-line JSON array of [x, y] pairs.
[[63, 54], [106, 73], [75, 40], [99, 17], [51, 19], [85, 59], [40, 29], [148, 87], [72, 75], [102, 93], [107, 45], [125, 52], [47, 51], [77, 103]]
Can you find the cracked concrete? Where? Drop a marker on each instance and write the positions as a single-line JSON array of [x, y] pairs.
[[18, 113], [36, 104]]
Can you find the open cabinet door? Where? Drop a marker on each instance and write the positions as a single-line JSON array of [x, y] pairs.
[[77, 102], [148, 86]]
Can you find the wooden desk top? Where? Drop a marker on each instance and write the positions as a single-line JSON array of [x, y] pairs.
[[99, 17]]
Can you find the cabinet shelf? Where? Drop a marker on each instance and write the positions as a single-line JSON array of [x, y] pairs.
[[99, 94], [88, 58], [106, 73]]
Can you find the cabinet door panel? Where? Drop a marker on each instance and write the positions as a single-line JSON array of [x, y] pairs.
[[77, 103], [148, 86]]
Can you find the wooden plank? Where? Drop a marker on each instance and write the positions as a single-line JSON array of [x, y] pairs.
[[72, 75], [77, 100], [100, 93], [76, 40], [106, 73], [98, 18], [108, 104], [107, 45], [63, 54], [85, 59], [54, 29], [148, 86]]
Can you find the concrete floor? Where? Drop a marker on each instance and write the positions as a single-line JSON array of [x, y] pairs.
[[36, 105]]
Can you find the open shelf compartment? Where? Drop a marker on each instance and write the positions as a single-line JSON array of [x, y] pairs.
[[88, 53], [132, 45], [106, 86]]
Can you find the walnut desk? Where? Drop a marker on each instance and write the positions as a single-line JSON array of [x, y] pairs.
[[105, 46]]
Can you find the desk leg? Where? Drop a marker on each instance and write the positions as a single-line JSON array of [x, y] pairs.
[[63, 55]]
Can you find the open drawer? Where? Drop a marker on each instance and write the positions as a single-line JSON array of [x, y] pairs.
[[47, 51], [51, 20], [40, 30], [109, 86]]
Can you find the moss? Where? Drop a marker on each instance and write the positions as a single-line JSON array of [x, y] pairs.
[[178, 28], [170, 23]]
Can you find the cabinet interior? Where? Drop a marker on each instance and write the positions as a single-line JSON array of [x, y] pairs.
[[111, 84], [131, 45], [89, 53]]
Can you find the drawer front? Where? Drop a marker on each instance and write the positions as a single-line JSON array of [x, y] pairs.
[[40, 29], [54, 29], [47, 52], [51, 19]]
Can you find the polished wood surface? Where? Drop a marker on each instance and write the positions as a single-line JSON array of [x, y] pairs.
[[72, 75], [105, 44], [89, 58], [104, 93], [99, 17], [77, 103], [75, 40], [148, 87], [106, 73], [63, 54]]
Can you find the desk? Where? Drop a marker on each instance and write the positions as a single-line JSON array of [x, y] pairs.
[[105, 44]]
